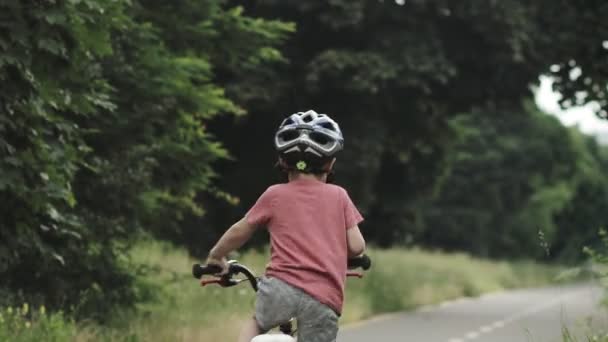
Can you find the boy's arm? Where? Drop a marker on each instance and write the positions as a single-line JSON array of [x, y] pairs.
[[355, 242], [232, 239]]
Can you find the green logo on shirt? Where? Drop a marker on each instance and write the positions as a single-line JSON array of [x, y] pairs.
[[301, 165]]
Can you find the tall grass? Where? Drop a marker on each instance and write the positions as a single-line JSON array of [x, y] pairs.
[[179, 309], [591, 337], [400, 279], [405, 279], [599, 269], [24, 324]]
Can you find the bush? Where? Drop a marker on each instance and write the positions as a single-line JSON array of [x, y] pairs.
[[28, 324], [103, 114], [598, 268]]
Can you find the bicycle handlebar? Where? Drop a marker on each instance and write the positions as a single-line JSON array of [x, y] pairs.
[[199, 270], [234, 268], [225, 280], [363, 261]]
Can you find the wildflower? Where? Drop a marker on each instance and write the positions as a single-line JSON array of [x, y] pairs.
[[9, 310], [28, 324], [42, 310], [25, 309]]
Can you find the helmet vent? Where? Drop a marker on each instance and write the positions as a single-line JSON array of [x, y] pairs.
[[328, 125], [319, 138], [289, 135], [307, 118]]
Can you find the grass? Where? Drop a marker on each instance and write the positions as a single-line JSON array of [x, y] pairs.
[[25, 324], [400, 279], [591, 337], [411, 278], [598, 268]]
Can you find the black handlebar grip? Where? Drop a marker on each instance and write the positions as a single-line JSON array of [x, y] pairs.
[[199, 270], [362, 261]]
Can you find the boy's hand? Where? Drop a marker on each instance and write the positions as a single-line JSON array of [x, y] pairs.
[[221, 262]]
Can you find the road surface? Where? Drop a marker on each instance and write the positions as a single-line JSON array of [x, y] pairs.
[[535, 315]]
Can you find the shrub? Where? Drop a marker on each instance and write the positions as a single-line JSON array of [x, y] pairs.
[[29, 324]]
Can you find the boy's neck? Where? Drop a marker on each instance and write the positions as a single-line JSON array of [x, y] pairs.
[[292, 176]]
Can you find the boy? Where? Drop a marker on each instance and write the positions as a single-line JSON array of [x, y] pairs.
[[313, 229]]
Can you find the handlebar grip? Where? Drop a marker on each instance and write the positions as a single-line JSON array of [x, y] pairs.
[[362, 261], [199, 270]]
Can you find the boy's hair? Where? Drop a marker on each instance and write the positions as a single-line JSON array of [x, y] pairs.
[[305, 162], [318, 169]]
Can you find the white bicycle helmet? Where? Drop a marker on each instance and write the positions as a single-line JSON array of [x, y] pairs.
[[309, 132]]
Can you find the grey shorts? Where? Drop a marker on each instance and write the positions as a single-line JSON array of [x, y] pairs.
[[277, 302]]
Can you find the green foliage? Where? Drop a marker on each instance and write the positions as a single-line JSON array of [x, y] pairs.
[[117, 116], [568, 336], [183, 310], [577, 61], [164, 70], [103, 132], [51, 81], [599, 256], [599, 268], [586, 210], [394, 76], [413, 278], [25, 324], [528, 174]]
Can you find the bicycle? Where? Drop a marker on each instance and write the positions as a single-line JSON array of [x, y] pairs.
[[234, 269]]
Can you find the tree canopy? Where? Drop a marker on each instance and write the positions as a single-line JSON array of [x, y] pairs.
[[103, 133], [512, 189], [123, 116], [394, 75]]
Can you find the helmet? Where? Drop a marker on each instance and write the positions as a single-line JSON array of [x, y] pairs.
[[308, 137], [316, 133]]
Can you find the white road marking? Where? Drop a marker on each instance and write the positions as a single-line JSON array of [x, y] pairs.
[[472, 335], [498, 324], [486, 329], [510, 319]]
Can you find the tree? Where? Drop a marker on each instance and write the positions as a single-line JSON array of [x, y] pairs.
[[393, 75], [104, 124], [579, 222], [577, 51], [51, 81], [514, 182]]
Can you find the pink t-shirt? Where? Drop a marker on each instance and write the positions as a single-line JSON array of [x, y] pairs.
[[307, 220]]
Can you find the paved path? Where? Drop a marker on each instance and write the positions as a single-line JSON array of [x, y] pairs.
[[535, 315]]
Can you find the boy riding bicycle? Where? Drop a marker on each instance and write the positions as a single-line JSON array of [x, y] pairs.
[[313, 230]]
